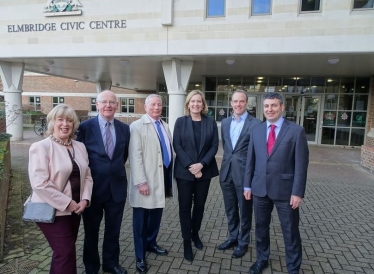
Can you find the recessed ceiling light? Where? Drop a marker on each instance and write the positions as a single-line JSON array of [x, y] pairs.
[[124, 62], [230, 61], [329, 80], [333, 60], [260, 78], [197, 85]]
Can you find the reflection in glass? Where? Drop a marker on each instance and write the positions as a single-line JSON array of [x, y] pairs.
[[252, 104], [222, 99], [363, 4], [249, 84], [317, 84], [303, 85], [223, 84], [344, 118], [210, 83], [359, 119], [347, 84], [360, 102], [289, 84], [310, 5], [275, 84], [357, 137], [210, 98], [342, 136], [215, 8], [345, 101], [235, 83], [291, 107], [332, 84], [211, 112], [362, 84], [331, 101], [261, 6], [328, 135], [261, 84]]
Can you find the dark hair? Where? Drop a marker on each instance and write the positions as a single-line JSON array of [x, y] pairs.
[[274, 95]]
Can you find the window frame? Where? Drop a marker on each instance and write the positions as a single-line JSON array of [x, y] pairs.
[[214, 16], [58, 100], [127, 105], [309, 11], [356, 9], [35, 104], [93, 107], [261, 14]]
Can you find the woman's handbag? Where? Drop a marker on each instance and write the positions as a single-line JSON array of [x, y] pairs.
[[39, 212]]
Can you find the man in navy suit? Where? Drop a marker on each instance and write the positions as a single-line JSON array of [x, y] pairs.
[[107, 142], [275, 174], [235, 138]]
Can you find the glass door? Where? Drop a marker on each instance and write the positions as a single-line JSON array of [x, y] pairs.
[[292, 108], [310, 117]]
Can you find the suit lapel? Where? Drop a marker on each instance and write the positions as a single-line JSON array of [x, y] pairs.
[[204, 121], [97, 134], [244, 130], [226, 131]]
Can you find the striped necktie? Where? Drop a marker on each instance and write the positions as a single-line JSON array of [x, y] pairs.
[[271, 139], [109, 140]]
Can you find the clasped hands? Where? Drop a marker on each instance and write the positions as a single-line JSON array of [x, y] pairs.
[[77, 208], [195, 169]]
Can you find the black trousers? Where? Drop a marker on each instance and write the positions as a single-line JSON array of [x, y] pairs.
[[191, 195]]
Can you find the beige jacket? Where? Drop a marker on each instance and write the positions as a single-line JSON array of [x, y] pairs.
[[145, 158], [49, 170]]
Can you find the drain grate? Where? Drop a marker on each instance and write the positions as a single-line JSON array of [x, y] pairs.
[[18, 266]]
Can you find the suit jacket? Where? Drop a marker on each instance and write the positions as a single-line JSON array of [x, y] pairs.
[[146, 163], [109, 175], [49, 170], [235, 157], [185, 148], [284, 172]]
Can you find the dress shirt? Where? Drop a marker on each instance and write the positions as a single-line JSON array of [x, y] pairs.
[[236, 127], [102, 123]]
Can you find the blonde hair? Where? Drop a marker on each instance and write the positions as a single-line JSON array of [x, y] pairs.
[[204, 111], [63, 111]]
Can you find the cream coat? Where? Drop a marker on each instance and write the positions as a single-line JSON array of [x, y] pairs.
[[146, 164], [49, 169]]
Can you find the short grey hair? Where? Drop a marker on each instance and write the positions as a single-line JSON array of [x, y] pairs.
[[149, 97]]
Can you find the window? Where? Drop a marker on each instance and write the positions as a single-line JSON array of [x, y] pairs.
[[34, 101], [93, 104], [363, 4], [261, 7], [127, 105], [57, 100], [215, 8], [310, 5]]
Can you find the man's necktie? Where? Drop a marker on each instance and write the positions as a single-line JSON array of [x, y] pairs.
[[271, 138], [109, 140], [165, 154]]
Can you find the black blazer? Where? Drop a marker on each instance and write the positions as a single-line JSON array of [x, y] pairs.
[[186, 152], [109, 175]]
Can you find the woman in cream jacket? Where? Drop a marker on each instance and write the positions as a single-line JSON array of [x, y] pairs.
[[59, 175]]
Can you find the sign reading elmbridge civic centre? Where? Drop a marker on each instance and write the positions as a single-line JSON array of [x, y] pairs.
[[108, 24]]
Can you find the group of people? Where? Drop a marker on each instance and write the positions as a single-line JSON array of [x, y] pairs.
[[263, 162]]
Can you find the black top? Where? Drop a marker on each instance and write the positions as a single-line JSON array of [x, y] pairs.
[[197, 133]]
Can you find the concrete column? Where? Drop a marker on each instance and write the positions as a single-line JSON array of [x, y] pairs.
[[12, 78], [167, 15], [103, 85], [177, 75]]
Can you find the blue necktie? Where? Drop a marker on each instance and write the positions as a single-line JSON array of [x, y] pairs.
[[165, 154], [109, 140]]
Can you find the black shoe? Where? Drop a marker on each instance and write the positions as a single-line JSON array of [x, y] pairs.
[[188, 250], [157, 250], [115, 270], [227, 244], [257, 267], [197, 242], [168, 192], [141, 266], [239, 251]]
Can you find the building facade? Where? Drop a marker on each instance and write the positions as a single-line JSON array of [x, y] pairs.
[[317, 53]]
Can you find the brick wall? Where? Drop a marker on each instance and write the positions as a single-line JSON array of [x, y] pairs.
[[367, 150]]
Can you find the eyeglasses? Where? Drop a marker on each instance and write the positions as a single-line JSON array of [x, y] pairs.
[[108, 102]]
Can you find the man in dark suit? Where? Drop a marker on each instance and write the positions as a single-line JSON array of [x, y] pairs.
[[107, 141], [275, 174], [235, 138]]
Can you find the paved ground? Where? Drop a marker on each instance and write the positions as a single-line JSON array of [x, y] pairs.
[[337, 224]]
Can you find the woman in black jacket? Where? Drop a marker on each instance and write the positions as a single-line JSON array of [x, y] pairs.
[[195, 142]]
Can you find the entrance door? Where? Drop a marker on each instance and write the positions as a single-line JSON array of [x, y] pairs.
[[304, 111]]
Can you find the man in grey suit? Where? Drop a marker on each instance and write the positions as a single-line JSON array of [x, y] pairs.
[[275, 175], [235, 138]]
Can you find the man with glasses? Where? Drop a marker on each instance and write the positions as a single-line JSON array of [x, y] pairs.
[[107, 141]]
